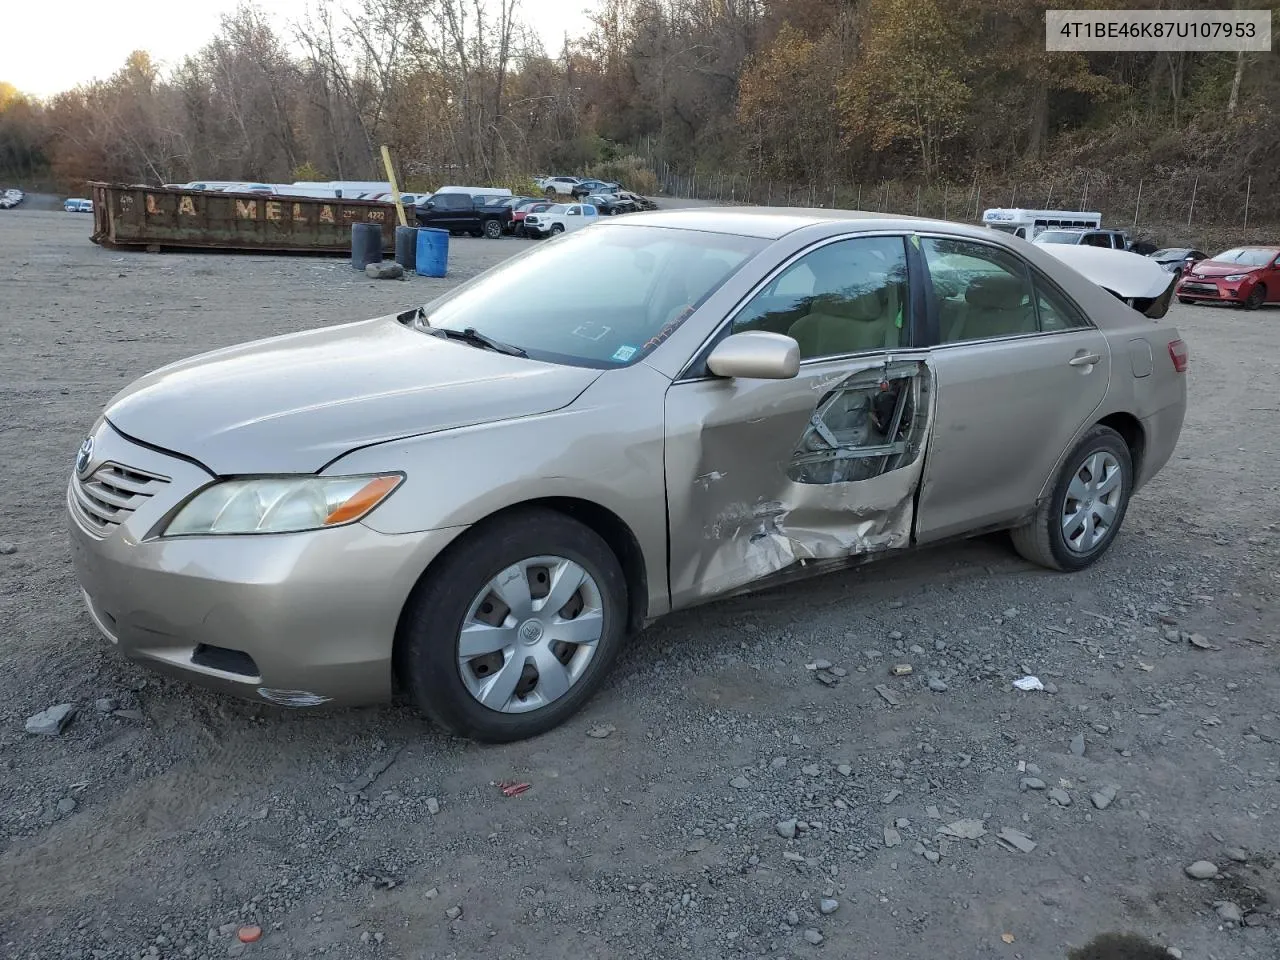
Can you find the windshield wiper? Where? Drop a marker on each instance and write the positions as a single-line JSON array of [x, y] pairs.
[[477, 339]]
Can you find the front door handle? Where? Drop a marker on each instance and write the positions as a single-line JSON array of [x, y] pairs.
[[1085, 360]]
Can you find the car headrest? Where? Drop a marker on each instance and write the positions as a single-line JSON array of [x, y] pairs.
[[873, 305], [997, 291]]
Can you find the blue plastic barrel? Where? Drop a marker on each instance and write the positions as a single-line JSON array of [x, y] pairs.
[[433, 252], [407, 247], [366, 244]]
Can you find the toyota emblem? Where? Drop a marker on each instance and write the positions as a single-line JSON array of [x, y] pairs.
[[85, 456]]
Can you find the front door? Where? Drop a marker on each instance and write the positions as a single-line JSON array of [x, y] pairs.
[[1019, 371], [765, 474]]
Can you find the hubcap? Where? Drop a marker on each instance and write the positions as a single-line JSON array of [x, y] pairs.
[[530, 634], [1093, 501]]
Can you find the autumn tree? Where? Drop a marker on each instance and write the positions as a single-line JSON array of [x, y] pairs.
[[907, 88]]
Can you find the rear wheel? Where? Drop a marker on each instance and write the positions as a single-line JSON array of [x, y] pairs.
[[550, 193], [1257, 297], [1076, 524], [516, 629], [493, 229]]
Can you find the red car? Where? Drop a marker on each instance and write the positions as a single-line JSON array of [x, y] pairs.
[[522, 210], [1243, 275]]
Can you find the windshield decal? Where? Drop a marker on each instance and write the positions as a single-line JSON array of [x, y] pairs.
[[624, 353]]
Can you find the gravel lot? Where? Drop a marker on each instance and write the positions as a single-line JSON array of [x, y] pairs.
[[716, 800]]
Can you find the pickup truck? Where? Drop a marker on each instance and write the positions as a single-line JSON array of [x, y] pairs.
[[461, 213]]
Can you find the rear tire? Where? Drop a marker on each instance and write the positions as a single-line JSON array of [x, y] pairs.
[[1067, 538], [493, 229], [428, 652]]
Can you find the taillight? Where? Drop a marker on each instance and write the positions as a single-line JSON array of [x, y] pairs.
[[1179, 355]]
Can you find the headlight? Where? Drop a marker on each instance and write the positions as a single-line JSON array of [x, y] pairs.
[[280, 504], [1234, 277]]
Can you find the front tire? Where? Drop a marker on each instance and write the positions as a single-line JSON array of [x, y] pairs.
[[557, 228], [480, 648], [1078, 522], [1257, 297]]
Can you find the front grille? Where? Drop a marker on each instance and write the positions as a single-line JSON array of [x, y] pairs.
[[109, 495], [1193, 287]]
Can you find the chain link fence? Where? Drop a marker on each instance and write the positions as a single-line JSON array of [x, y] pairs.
[[1188, 210]]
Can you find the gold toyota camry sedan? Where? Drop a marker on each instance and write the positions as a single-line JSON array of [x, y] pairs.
[[479, 500]]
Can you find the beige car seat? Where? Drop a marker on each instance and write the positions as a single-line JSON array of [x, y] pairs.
[[849, 324], [996, 305]]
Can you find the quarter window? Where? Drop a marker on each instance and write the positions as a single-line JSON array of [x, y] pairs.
[[842, 298]]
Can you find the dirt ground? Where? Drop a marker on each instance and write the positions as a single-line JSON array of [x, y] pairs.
[[738, 808]]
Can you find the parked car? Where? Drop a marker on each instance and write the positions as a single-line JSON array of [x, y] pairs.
[[584, 188], [78, 205], [1112, 239], [642, 203], [1177, 259], [520, 210], [1245, 276], [11, 198], [461, 213], [553, 186], [481, 499], [609, 205], [560, 218]]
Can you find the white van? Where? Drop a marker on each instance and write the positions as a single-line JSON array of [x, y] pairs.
[[477, 191], [1028, 223]]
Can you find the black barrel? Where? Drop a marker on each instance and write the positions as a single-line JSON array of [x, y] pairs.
[[366, 244], [407, 247]]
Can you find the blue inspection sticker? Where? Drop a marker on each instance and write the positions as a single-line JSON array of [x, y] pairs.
[[624, 354]]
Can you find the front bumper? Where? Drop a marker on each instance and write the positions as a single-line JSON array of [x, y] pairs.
[[1213, 288], [298, 619]]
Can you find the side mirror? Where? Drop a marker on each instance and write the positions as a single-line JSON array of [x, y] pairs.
[[756, 355]]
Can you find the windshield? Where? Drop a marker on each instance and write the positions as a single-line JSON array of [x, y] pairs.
[[1058, 236], [632, 286], [1249, 256]]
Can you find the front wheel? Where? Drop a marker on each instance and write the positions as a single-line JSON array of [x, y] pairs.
[[1257, 297], [557, 228], [493, 229], [516, 629], [1076, 524]]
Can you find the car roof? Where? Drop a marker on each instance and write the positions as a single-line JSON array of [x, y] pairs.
[[770, 223]]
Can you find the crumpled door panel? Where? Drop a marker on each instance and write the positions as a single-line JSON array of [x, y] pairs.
[[764, 475]]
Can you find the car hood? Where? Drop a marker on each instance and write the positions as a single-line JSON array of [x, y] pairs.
[[293, 403], [1219, 268]]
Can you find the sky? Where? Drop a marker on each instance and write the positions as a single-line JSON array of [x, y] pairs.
[[42, 55]]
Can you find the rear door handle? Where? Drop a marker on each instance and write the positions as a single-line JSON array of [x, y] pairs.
[[1085, 360]]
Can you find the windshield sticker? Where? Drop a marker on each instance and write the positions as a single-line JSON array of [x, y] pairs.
[[592, 331], [623, 354]]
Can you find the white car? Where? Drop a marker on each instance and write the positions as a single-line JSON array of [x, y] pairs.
[[78, 205], [551, 186], [560, 218]]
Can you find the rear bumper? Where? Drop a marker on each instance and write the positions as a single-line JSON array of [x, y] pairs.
[[1160, 432]]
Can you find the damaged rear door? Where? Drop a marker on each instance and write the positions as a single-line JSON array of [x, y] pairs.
[[765, 474]]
